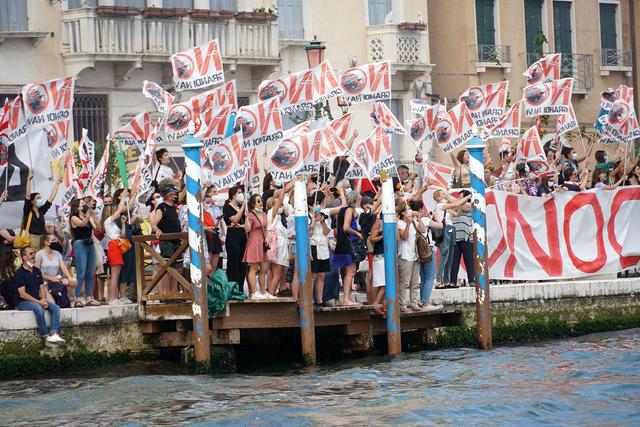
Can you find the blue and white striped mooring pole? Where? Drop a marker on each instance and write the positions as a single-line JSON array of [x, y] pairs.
[[481, 270], [305, 278], [191, 147], [389, 219]]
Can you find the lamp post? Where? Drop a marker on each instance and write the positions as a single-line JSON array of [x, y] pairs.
[[315, 56]]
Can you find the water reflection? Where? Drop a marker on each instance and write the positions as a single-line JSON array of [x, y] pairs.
[[592, 380]]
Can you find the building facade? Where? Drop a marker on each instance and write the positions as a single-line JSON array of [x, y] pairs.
[[476, 42], [437, 48]]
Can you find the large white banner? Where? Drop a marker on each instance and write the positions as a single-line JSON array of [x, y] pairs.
[[198, 67], [565, 236]]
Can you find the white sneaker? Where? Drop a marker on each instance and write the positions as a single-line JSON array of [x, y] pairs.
[[258, 295], [55, 339], [433, 306], [125, 300], [115, 301], [267, 295]]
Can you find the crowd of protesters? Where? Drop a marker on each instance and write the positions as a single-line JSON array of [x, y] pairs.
[[85, 259]]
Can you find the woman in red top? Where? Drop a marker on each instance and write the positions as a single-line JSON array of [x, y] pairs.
[[255, 255]]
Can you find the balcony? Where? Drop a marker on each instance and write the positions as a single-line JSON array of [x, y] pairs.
[[133, 39], [578, 66], [615, 60], [492, 56], [405, 45]]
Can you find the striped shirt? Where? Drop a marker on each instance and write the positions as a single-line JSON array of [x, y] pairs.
[[463, 226]]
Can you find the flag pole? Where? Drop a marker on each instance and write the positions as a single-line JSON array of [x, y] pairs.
[[26, 134], [122, 167]]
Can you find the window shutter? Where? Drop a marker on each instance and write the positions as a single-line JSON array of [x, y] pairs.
[[533, 22], [177, 4], [378, 10], [290, 19], [13, 15], [484, 22], [608, 36], [223, 5], [562, 26]]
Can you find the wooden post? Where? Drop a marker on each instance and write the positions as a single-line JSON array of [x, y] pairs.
[[201, 340], [305, 278], [481, 267], [394, 343]]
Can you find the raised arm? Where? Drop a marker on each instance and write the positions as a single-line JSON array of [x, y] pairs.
[[27, 188], [54, 192]]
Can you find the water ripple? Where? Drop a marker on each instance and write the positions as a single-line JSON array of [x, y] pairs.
[[594, 380]]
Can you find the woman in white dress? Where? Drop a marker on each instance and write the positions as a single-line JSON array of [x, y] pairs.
[[278, 253]]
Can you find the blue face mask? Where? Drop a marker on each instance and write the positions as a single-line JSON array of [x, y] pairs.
[[40, 203]]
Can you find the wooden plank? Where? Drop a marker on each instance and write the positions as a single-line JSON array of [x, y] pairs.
[[168, 311], [255, 321], [169, 297], [166, 267], [340, 318], [175, 339], [150, 327], [166, 236], [225, 336]]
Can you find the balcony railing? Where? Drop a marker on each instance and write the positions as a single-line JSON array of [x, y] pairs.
[[496, 54], [616, 58], [406, 49], [578, 66], [139, 38]]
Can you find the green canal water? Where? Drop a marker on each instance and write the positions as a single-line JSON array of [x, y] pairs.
[[592, 380]]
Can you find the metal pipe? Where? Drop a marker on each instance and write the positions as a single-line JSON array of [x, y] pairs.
[[394, 344], [305, 278], [191, 147], [481, 271]]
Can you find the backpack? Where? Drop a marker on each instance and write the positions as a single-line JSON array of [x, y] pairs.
[[423, 248]]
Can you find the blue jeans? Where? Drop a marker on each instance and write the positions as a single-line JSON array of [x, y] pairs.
[[85, 267], [446, 255], [331, 288], [427, 276], [37, 309]]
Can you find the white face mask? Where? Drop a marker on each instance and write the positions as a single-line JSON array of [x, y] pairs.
[[280, 210], [159, 200], [240, 197], [574, 156], [258, 209], [30, 264]]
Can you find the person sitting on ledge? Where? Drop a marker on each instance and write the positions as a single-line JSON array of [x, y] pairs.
[[33, 295]]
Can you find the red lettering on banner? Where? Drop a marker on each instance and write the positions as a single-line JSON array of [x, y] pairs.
[[623, 195], [212, 52], [62, 98], [490, 95], [551, 263], [326, 75], [578, 201], [271, 115], [296, 89], [561, 89], [502, 246], [381, 77], [458, 122]]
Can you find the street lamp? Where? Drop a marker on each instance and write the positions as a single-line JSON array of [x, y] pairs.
[[315, 56], [315, 52]]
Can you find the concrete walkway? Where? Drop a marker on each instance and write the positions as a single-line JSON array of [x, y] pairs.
[[11, 320]]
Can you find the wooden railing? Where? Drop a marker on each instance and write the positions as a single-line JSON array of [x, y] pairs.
[[148, 282]]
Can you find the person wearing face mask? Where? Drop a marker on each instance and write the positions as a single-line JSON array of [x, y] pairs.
[[34, 296], [162, 169], [255, 254], [530, 183], [9, 264], [278, 253], [35, 208], [571, 158], [236, 237], [114, 231], [165, 220], [54, 270], [81, 224], [214, 246]]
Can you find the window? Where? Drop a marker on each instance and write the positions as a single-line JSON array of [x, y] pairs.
[[13, 15], [484, 22], [533, 24], [91, 112], [177, 4], [140, 4], [223, 5], [290, 20], [562, 36], [77, 4], [608, 33], [378, 10]]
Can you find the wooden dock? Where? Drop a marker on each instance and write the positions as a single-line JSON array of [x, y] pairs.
[[168, 318]]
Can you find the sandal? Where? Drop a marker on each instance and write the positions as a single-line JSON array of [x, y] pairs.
[[92, 302], [440, 286], [78, 303]]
